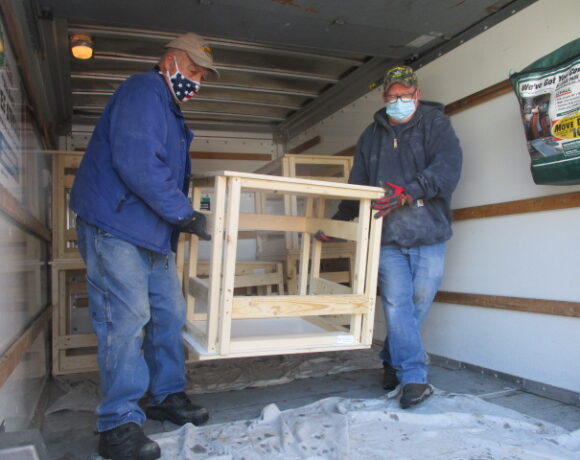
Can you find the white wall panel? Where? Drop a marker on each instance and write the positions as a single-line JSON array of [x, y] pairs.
[[538, 347], [533, 255]]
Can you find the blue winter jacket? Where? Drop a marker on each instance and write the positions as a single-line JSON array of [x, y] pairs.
[[133, 179], [425, 157]]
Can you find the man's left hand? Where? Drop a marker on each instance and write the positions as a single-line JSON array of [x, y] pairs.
[[395, 197], [196, 224]]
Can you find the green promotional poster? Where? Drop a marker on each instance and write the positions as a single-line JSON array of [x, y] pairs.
[[548, 91]]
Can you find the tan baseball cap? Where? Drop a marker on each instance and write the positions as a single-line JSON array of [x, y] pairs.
[[196, 48]]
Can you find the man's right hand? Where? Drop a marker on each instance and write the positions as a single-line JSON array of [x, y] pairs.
[[196, 224]]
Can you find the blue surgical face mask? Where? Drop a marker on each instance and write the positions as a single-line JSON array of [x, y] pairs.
[[183, 88], [400, 110]]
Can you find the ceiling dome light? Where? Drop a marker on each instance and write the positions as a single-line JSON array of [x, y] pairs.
[[81, 46]]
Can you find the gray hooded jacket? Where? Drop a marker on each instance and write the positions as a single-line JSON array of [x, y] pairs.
[[424, 157]]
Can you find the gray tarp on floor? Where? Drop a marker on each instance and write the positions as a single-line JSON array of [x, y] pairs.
[[450, 427]]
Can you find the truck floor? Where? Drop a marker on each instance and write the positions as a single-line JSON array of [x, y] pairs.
[[68, 434]]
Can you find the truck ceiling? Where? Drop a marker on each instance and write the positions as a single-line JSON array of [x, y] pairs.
[[285, 64]]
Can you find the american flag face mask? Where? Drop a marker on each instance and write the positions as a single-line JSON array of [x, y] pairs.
[[183, 88]]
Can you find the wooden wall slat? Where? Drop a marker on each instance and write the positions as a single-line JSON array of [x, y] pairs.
[[544, 203], [486, 94], [549, 307], [21, 216], [10, 359], [306, 145], [348, 152]]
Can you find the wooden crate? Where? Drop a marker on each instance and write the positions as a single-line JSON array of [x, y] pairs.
[[74, 348], [64, 238], [73, 342], [315, 167], [221, 324]]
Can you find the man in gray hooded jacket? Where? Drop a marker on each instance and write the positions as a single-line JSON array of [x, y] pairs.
[[412, 151]]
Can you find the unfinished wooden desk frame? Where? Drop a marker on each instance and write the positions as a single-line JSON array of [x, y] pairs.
[[217, 311]]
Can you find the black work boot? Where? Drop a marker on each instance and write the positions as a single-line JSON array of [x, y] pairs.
[[390, 380], [414, 393], [177, 408], [127, 442]]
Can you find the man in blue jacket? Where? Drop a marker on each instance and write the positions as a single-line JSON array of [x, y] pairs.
[[412, 151], [130, 197]]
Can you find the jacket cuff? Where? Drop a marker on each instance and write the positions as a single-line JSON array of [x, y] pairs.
[[181, 221], [415, 190]]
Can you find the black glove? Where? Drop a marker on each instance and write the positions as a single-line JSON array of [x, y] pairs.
[[196, 224]]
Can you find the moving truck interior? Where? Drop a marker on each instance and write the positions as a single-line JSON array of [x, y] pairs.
[[300, 81]]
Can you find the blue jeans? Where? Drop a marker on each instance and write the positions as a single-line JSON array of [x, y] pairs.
[[409, 279], [137, 312]]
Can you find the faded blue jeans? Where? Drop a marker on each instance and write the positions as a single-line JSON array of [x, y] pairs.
[[137, 312], [408, 279]]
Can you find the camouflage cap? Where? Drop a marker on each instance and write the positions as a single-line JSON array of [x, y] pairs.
[[400, 74]]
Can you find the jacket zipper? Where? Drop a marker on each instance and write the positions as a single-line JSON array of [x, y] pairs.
[[396, 139]]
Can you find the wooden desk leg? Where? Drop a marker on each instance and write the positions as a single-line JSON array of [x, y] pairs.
[[373, 259], [216, 264], [317, 245], [305, 253], [229, 269], [362, 244]]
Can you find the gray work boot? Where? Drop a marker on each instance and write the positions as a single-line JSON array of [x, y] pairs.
[[127, 442]]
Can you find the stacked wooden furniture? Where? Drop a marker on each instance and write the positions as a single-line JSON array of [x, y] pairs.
[[73, 342], [221, 324], [338, 257]]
